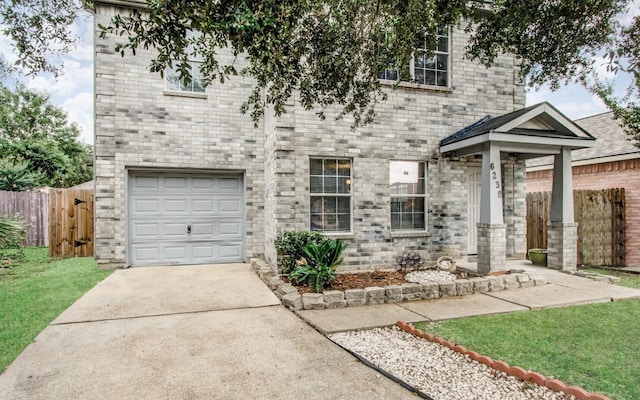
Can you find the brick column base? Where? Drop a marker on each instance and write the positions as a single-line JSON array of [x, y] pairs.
[[562, 245], [492, 248]]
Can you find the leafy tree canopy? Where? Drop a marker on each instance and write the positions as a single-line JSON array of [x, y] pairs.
[[38, 145], [332, 51], [40, 32]]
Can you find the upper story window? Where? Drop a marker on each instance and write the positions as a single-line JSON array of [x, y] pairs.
[[173, 82], [407, 180], [426, 70], [330, 194]]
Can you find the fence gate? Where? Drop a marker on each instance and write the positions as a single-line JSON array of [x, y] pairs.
[[600, 215], [71, 223]]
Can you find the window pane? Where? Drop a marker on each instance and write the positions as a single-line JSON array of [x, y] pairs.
[[330, 167], [315, 167], [344, 223], [172, 81], [407, 181], [443, 44], [344, 205], [442, 79], [330, 185], [344, 185], [330, 213], [315, 184], [430, 78], [344, 168], [442, 61], [419, 76]]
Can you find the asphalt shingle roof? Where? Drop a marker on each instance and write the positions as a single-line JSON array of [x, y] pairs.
[[611, 141]]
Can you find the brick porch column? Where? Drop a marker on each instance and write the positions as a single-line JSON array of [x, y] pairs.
[[562, 230], [492, 232], [562, 248], [492, 248]]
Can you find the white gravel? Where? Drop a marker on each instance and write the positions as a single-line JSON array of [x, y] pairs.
[[429, 275], [437, 371]]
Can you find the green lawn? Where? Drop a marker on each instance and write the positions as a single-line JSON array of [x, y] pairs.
[[592, 346], [35, 292], [628, 279]]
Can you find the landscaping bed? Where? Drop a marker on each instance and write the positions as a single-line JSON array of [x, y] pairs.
[[382, 292]]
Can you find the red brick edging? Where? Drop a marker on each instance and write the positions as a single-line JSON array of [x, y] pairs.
[[518, 372]]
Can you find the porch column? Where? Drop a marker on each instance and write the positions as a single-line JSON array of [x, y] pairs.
[[492, 243], [562, 230]]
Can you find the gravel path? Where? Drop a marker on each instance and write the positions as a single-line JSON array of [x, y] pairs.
[[437, 371]]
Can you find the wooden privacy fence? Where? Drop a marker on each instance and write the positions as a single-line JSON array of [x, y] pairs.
[[32, 207], [600, 215], [71, 223]]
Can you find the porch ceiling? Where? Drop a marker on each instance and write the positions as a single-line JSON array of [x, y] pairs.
[[530, 132]]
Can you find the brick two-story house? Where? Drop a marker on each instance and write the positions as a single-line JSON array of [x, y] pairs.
[[182, 177]]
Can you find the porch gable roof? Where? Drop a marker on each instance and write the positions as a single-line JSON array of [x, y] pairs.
[[530, 132]]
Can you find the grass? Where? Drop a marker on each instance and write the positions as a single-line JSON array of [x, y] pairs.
[[628, 279], [593, 346], [34, 292]]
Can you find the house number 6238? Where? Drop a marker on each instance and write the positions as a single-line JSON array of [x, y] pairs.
[[494, 177]]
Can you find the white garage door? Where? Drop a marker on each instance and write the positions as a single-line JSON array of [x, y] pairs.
[[179, 218]]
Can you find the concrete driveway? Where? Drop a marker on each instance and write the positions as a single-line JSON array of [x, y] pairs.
[[188, 332]]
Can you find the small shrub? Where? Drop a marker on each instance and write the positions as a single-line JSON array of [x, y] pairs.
[[409, 260], [290, 247], [12, 235], [318, 269]]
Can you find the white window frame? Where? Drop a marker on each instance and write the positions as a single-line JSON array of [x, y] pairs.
[[412, 66], [179, 86], [422, 165], [315, 196]]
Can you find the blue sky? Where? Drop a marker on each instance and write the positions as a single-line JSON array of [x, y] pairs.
[[73, 91]]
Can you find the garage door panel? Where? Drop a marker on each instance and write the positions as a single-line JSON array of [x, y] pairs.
[[163, 205], [202, 229], [203, 206], [176, 253], [229, 206], [174, 230], [142, 183], [176, 206], [204, 252], [147, 230], [145, 254], [229, 184], [203, 183], [230, 229], [179, 182], [146, 206], [230, 250]]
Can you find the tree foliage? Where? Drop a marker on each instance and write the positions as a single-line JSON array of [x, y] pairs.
[[624, 56], [40, 32], [38, 145], [332, 51]]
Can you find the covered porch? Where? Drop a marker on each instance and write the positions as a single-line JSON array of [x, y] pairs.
[[534, 131]]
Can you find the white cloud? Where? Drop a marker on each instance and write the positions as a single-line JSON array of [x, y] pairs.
[[80, 110]]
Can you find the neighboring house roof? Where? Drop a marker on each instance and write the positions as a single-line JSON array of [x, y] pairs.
[[531, 131], [612, 144]]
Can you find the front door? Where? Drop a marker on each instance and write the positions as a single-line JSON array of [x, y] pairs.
[[474, 184]]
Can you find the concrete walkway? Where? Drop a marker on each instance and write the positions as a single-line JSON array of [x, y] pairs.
[[217, 332], [192, 332], [562, 290]]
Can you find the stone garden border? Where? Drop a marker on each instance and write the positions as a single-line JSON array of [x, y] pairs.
[[290, 297]]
